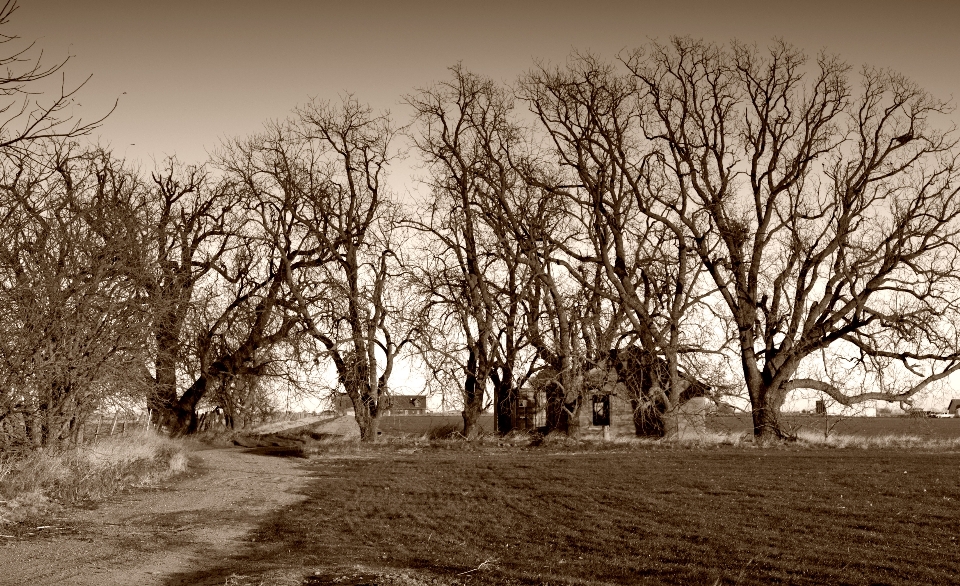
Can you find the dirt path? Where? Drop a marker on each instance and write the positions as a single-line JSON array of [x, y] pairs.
[[150, 536]]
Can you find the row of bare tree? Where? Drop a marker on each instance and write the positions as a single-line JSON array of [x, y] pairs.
[[707, 203], [762, 220]]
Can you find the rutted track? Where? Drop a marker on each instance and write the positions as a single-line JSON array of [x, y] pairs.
[[149, 536]]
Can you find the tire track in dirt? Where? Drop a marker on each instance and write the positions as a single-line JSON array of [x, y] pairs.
[[148, 537]]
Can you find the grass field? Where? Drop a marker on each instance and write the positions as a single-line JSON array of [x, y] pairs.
[[645, 516]]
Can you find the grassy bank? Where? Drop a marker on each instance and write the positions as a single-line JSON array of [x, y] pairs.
[[35, 485]]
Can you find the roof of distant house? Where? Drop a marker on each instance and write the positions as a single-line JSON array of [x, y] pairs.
[[408, 402]]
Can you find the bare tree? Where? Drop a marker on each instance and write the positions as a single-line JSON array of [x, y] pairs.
[[323, 209], [191, 223], [26, 118], [494, 223], [217, 287], [834, 204], [467, 276], [353, 148], [624, 246], [240, 317], [533, 218], [74, 318], [48, 187]]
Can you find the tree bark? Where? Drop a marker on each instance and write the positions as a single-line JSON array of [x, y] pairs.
[[473, 387], [163, 397], [184, 412], [504, 400], [367, 412]]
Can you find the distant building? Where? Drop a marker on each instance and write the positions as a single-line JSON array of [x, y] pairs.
[[343, 405], [406, 405], [954, 407], [391, 405]]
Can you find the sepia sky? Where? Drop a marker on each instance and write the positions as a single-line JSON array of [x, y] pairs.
[[188, 73]]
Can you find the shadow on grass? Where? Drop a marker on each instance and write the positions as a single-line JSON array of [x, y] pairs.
[[278, 452], [277, 445]]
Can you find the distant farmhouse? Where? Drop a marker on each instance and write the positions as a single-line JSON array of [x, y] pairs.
[[406, 405], [393, 405]]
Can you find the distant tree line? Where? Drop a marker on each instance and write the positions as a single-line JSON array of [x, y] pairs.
[[763, 220]]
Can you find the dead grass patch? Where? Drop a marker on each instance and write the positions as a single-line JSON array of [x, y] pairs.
[[37, 484], [865, 442]]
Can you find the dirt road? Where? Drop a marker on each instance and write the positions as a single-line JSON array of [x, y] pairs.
[[149, 537]]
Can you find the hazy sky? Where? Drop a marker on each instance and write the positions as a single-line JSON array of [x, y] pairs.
[[195, 71]]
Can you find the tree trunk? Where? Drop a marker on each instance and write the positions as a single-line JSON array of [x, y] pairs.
[[672, 424], [765, 408], [504, 401], [163, 398], [473, 394], [572, 413], [555, 419], [369, 425], [366, 406], [563, 409], [766, 415], [77, 423], [184, 418], [471, 423]]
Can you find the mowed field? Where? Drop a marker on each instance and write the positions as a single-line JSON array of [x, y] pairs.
[[459, 513]]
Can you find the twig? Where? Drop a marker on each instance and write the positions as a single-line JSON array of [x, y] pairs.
[[480, 567], [743, 570]]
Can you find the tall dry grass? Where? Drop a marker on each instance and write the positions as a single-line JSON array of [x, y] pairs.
[[38, 484], [889, 441]]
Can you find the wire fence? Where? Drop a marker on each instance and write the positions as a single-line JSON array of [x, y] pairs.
[[114, 424]]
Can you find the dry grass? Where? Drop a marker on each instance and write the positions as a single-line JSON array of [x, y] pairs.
[[890, 441], [38, 484]]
